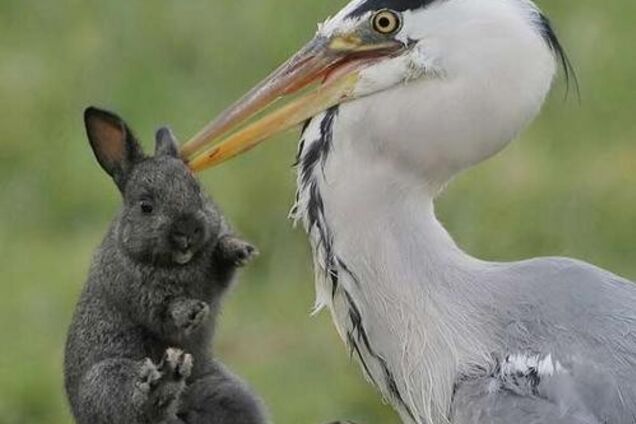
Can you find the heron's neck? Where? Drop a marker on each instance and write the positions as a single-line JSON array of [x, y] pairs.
[[389, 222], [381, 255]]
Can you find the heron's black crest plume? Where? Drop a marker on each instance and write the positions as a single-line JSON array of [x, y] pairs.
[[550, 36]]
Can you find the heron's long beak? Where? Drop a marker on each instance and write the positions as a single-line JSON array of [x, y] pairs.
[[334, 62]]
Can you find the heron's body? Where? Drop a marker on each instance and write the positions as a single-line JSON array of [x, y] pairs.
[[442, 334], [413, 92], [446, 336]]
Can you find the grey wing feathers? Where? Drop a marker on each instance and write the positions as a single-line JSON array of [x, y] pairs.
[[536, 389], [477, 403], [568, 349]]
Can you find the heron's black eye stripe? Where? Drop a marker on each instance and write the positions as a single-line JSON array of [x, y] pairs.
[[396, 5]]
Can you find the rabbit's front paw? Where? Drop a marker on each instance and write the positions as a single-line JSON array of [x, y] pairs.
[[147, 378], [236, 251], [158, 387], [189, 314]]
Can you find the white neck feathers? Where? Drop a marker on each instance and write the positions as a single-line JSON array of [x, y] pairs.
[[383, 259]]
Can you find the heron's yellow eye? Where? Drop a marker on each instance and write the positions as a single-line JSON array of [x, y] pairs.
[[386, 21]]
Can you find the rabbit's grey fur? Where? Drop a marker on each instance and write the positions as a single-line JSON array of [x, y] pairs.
[[137, 348]]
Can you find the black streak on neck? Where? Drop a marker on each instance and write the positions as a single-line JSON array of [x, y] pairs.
[[317, 153], [357, 338], [358, 341]]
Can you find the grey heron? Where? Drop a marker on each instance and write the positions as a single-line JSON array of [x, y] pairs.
[[400, 96]]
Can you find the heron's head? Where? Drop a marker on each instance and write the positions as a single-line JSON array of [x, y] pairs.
[[437, 81]]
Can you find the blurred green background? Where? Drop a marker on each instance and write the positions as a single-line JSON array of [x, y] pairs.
[[567, 187]]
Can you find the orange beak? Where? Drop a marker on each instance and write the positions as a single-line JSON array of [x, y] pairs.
[[333, 62]]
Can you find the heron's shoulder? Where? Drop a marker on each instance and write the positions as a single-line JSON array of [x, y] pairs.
[[577, 303], [561, 271]]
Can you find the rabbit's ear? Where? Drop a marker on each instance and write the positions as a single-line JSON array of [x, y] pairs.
[[114, 145], [166, 143]]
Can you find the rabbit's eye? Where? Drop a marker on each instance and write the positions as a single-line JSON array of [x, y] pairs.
[[146, 207]]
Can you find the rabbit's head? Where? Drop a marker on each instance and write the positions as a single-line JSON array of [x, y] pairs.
[[165, 219]]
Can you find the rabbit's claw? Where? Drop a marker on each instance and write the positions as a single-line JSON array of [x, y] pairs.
[[176, 364]]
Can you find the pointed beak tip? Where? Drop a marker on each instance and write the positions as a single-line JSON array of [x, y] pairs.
[[336, 75]]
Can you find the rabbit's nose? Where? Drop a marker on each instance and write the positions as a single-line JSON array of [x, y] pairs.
[[181, 242], [187, 231]]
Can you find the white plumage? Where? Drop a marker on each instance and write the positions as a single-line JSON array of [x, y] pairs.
[[392, 152]]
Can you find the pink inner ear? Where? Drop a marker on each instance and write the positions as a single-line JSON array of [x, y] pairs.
[[111, 138]]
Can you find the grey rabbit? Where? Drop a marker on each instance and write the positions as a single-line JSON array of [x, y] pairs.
[[137, 348]]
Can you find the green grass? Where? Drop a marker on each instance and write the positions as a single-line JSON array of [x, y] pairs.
[[565, 188]]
